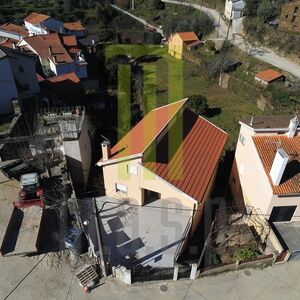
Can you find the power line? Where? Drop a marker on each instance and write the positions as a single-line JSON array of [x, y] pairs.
[[31, 270], [72, 279]]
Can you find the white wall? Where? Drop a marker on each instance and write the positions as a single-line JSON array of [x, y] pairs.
[[35, 29], [8, 89], [79, 155], [10, 35], [256, 188], [228, 9]]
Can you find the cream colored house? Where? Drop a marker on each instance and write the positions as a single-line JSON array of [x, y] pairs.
[[172, 153], [179, 41], [266, 171]]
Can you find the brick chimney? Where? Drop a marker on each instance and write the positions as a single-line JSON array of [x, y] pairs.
[[106, 150]]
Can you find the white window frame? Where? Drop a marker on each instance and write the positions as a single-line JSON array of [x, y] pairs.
[[122, 188], [242, 139], [132, 170]]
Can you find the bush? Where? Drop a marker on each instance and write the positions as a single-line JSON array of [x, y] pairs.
[[200, 23], [157, 4], [219, 64], [245, 254], [198, 104]]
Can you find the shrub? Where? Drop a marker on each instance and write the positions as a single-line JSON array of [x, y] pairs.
[[198, 104], [157, 4], [245, 254]]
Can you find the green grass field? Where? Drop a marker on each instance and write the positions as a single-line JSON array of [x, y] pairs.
[[168, 80]]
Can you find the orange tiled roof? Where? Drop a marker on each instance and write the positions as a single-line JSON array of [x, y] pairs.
[[69, 41], [267, 146], [69, 76], [142, 134], [74, 26], [269, 75], [41, 44], [35, 18], [188, 36], [9, 27], [64, 85], [8, 43], [188, 155]]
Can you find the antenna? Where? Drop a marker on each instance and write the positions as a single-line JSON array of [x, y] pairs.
[[104, 137], [251, 122]]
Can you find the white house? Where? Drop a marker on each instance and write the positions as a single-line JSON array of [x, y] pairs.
[[17, 78], [37, 24], [234, 9], [266, 172], [12, 31], [54, 57]]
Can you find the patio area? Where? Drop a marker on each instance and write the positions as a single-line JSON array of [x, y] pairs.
[[142, 235]]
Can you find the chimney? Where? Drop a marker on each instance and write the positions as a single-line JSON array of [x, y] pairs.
[[279, 165], [54, 59], [293, 127], [106, 150], [50, 50], [14, 45]]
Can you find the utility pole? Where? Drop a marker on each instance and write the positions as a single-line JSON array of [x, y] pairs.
[[97, 224], [132, 4]]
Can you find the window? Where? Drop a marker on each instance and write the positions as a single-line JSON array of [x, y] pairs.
[[21, 70], [282, 213], [242, 139], [121, 188], [132, 170], [296, 10], [286, 16], [293, 19]]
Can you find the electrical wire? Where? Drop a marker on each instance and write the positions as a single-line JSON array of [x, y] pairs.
[[19, 283]]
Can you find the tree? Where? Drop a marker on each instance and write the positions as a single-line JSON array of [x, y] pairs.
[[157, 4], [267, 11], [251, 7], [198, 104], [152, 38]]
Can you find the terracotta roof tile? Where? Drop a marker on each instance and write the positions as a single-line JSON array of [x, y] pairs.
[[269, 75], [188, 162], [74, 26], [188, 36], [142, 134], [35, 18], [267, 146], [69, 76], [9, 27], [65, 84], [69, 41], [41, 44]]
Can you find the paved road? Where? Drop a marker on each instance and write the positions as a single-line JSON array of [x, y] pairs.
[[144, 22], [263, 54], [58, 282]]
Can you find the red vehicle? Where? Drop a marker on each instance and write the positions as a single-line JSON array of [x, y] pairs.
[[31, 190]]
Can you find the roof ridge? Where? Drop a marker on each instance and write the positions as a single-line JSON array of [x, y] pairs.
[[157, 108], [199, 116]]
